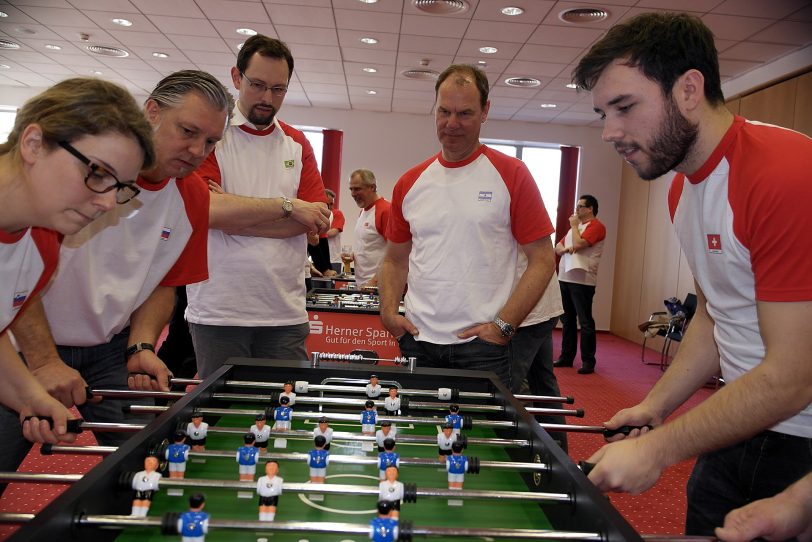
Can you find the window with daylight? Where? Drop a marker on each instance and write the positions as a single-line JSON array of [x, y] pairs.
[[316, 138], [7, 115], [544, 164]]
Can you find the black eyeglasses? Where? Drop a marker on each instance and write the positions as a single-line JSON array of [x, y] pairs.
[[261, 88], [100, 180]]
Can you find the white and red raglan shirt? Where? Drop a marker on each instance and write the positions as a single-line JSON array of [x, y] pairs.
[[257, 281], [28, 259], [110, 267], [741, 222], [466, 221], [369, 247]]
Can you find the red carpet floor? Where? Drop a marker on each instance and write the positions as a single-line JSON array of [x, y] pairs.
[[621, 380]]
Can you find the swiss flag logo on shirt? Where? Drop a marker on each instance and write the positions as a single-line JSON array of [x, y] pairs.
[[714, 243]]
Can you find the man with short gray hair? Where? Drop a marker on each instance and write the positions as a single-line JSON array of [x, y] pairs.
[[370, 227]]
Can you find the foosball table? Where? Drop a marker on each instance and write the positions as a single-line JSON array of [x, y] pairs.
[[518, 484]]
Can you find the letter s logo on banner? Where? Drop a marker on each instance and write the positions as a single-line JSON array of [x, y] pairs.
[[316, 326]]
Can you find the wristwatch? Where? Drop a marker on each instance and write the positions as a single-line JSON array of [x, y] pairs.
[[506, 329], [287, 207], [137, 347]]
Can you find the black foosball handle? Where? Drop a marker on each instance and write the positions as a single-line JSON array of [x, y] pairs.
[[74, 426], [405, 531], [586, 467], [623, 430]]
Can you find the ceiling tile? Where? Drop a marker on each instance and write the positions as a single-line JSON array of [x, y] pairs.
[[788, 32], [423, 25], [176, 8], [370, 22], [183, 25], [731, 27], [775, 9], [495, 31], [231, 10], [295, 15], [534, 12], [756, 51], [564, 36], [306, 34]]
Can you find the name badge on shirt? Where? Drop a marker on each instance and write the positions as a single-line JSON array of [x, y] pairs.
[[289, 164], [485, 195]]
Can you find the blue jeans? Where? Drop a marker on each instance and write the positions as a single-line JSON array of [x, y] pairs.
[[476, 355], [531, 351], [214, 345], [577, 301], [102, 366], [732, 477]]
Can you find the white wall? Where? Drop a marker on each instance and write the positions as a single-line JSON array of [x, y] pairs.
[[391, 143]]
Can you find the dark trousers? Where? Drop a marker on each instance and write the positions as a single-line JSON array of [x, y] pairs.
[[178, 351], [577, 301], [757, 468], [531, 352], [320, 255], [476, 355]]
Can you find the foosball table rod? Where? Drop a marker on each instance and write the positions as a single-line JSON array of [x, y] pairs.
[[448, 394], [323, 401], [467, 423], [411, 491], [406, 531]]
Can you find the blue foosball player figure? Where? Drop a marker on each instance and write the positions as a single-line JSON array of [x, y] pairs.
[[383, 528], [456, 465], [388, 458], [247, 458], [282, 414], [194, 524], [318, 459], [453, 417], [177, 454], [369, 417]]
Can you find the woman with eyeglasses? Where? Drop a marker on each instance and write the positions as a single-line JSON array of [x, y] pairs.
[[75, 150]]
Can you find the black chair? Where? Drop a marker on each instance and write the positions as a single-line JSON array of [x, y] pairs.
[[677, 327], [670, 324]]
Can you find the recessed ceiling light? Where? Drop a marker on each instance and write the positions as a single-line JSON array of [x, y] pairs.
[[441, 7], [5, 67], [6, 44], [583, 15], [53, 47], [548, 106], [369, 70], [122, 22], [158, 54], [481, 63], [246, 31], [571, 85], [371, 92], [512, 11], [96, 72], [239, 45], [368, 1], [3, 14], [488, 50], [104, 50], [523, 82], [369, 41]]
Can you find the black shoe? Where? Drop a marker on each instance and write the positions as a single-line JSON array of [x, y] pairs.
[[586, 370], [562, 363]]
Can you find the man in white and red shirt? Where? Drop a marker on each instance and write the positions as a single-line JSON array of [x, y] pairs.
[[458, 221], [580, 252], [253, 303], [740, 209], [370, 227]]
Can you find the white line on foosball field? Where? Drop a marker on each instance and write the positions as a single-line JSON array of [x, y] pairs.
[[307, 501]]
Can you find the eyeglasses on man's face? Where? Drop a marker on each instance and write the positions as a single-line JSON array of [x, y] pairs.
[[100, 180], [261, 88]]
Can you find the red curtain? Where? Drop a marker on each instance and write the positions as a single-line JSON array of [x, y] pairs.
[[331, 161], [567, 184]]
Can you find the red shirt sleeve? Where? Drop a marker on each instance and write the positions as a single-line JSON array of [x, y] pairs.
[[192, 265], [529, 220], [210, 169], [595, 232], [382, 212], [338, 220], [311, 187]]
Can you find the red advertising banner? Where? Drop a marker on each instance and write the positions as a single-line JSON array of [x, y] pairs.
[[343, 332]]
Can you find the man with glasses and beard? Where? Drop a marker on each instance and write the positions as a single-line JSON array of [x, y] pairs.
[[253, 304], [739, 206]]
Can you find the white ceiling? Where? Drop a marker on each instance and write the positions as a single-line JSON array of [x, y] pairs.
[[324, 37]]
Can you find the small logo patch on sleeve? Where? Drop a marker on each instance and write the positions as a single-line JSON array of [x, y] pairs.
[[714, 243], [289, 164], [165, 233], [485, 195]]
